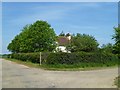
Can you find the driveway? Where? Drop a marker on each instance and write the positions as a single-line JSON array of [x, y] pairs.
[[19, 76]]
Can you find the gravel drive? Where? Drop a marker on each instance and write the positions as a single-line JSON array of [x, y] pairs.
[[19, 76]]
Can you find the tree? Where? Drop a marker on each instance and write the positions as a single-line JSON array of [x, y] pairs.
[[62, 34], [36, 37], [116, 37], [83, 42], [107, 48], [14, 46]]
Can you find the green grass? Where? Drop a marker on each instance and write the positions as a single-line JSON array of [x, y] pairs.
[[27, 63], [82, 67], [117, 81], [63, 67]]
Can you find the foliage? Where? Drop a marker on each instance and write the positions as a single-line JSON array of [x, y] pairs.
[[116, 37], [68, 34], [68, 58], [62, 34], [32, 57], [14, 46], [4, 55], [36, 37], [83, 42], [117, 81], [81, 57], [108, 48]]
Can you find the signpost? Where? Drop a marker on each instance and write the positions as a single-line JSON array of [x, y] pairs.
[[40, 58]]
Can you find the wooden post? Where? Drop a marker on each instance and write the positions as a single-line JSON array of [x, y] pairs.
[[40, 58]]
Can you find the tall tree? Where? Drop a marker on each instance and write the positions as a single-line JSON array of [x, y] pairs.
[[14, 46], [62, 34], [36, 37], [83, 42], [107, 48], [116, 37]]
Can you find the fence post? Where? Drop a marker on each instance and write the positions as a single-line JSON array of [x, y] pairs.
[[40, 58]]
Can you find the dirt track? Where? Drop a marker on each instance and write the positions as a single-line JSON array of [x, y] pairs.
[[20, 76]]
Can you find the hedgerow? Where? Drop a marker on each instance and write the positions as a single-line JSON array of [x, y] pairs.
[[32, 57], [81, 57], [68, 58]]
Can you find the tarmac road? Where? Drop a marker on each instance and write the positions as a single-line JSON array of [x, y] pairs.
[[19, 76]]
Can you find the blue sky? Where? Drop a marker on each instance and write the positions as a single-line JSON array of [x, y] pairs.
[[97, 19]]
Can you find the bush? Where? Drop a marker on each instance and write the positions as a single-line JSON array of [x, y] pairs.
[[117, 81], [4, 55], [80, 58], [32, 57]]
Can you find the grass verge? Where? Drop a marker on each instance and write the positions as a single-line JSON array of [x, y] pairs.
[[27, 63], [63, 67], [117, 81]]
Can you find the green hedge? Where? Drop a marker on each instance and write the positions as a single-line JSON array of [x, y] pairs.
[[67, 58], [32, 57], [81, 57]]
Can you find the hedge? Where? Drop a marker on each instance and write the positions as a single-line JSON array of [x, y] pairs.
[[32, 57], [67, 58], [81, 57]]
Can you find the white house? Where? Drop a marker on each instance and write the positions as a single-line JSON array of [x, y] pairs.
[[62, 41]]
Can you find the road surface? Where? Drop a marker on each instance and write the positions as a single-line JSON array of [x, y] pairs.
[[19, 76]]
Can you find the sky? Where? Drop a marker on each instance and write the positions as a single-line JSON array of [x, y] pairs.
[[93, 18]]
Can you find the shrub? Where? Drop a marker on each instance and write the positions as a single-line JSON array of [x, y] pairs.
[[117, 81], [32, 57], [81, 57]]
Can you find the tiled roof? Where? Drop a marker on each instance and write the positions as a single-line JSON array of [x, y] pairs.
[[62, 40]]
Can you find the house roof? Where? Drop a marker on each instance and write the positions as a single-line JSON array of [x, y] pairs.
[[62, 40]]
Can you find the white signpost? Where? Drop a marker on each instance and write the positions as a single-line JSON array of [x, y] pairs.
[[40, 58]]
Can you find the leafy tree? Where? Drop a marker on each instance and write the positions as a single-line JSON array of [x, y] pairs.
[[68, 34], [62, 34], [36, 37], [116, 37], [107, 48], [83, 42], [14, 46]]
